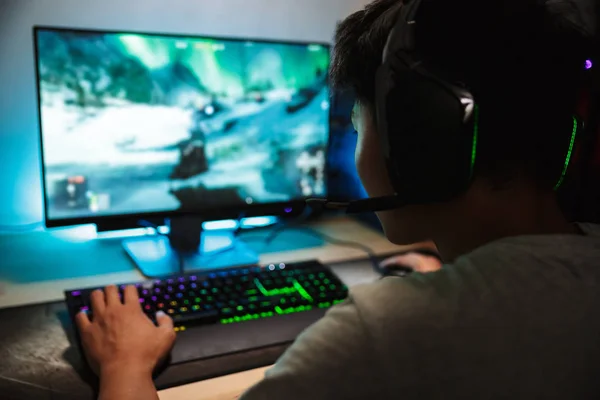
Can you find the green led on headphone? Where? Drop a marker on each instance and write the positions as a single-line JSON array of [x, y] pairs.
[[569, 154], [567, 158], [475, 136]]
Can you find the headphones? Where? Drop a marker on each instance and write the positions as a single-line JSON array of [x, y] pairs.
[[429, 127], [430, 150]]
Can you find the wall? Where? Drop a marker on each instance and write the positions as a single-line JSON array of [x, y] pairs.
[[20, 188]]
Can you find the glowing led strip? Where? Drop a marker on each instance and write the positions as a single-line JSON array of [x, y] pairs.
[[569, 154]]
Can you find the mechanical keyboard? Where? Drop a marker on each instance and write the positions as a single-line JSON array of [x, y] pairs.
[[232, 296]]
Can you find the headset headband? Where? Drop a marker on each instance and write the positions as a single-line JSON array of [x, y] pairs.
[[401, 36]]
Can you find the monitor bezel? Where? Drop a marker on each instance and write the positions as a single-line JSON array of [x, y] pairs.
[[130, 220]]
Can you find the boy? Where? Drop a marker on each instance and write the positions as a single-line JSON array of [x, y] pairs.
[[513, 314]]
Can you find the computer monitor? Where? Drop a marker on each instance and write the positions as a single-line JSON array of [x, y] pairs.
[[137, 123], [141, 125]]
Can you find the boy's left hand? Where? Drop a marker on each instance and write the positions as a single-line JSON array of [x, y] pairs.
[[121, 337]]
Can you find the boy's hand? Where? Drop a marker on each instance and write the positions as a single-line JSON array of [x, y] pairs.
[[416, 261], [121, 337]]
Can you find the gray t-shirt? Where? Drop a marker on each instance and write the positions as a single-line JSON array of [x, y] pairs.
[[516, 319]]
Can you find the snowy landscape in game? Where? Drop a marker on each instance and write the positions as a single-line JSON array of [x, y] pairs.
[[141, 123]]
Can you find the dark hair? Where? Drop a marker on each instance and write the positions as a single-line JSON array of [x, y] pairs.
[[523, 65]]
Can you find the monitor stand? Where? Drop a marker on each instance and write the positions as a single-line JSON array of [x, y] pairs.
[[187, 249]]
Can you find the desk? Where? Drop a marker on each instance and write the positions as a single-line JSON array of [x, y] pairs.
[[22, 257], [56, 254], [223, 388]]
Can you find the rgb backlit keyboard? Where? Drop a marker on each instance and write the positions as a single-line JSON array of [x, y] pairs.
[[232, 295]]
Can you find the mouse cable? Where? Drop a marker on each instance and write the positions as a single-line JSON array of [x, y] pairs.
[[295, 225], [343, 243]]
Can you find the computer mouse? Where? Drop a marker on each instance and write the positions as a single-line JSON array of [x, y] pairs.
[[395, 266]]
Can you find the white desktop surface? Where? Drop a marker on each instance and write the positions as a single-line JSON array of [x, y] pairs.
[[227, 387]]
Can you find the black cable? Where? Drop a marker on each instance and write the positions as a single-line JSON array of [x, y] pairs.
[[397, 271], [306, 213], [344, 243], [294, 226]]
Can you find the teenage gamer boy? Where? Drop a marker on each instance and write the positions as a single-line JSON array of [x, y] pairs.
[[469, 121]]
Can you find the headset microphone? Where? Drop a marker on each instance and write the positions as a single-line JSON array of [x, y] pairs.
[[374, 204]]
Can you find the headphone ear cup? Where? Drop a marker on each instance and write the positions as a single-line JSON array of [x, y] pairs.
[[428, 146]]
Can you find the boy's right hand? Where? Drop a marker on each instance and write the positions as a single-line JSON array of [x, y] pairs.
[[416, 261]]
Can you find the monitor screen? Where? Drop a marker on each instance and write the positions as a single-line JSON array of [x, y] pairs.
[[142, 123]]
